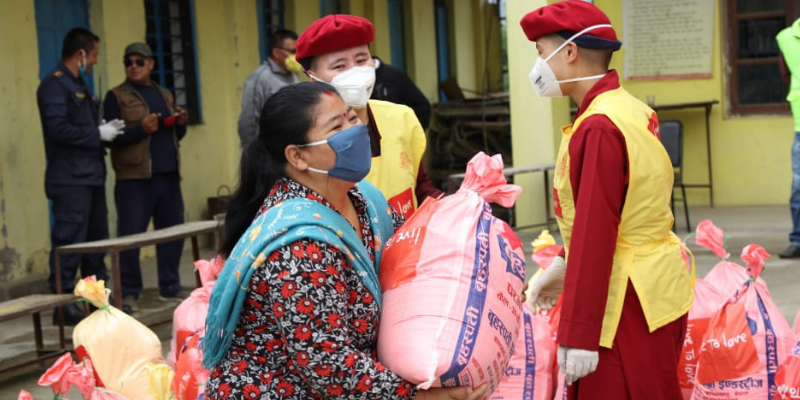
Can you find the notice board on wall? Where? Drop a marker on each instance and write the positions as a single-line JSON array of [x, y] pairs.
[[668, 39]]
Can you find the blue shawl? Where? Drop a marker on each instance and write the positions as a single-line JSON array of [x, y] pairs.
[[281, 225]]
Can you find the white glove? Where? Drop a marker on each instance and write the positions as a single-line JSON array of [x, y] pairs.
[[110, 130], [548, 286], [576, 363]]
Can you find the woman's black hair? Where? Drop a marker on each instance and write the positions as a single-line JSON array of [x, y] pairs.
[[285, 119]]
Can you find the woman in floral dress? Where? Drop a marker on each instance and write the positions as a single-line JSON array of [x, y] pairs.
[[295, 312]]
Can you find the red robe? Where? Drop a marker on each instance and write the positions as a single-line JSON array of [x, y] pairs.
[[641, 365]]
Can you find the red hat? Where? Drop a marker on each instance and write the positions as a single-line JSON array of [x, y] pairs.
[[567, 18], [332, 33]]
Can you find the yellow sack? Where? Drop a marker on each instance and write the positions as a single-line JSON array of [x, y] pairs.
[[118, 345]]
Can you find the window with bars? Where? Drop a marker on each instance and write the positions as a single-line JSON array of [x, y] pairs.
[[171, 36], [270, 19], [754, 78]]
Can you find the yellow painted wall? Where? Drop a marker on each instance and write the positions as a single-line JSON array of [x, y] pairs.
[[421, 47], [24, 234]]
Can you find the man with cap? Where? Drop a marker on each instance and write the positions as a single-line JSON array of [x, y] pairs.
[[146, 163], [626, 289], [335, 50], [75, 175]]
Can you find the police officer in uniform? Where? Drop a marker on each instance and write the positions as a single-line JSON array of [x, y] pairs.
[[76, 171]]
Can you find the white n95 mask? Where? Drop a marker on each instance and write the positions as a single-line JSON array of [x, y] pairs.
[[544, 79], [355, 85]]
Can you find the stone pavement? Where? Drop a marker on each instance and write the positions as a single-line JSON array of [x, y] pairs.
[[765, 225]]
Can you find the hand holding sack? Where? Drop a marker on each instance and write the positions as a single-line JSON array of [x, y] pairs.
[[118, 346], [452, 278]]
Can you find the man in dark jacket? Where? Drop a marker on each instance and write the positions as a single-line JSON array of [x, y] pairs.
[[393, 84], [76, 171], [146, 164]]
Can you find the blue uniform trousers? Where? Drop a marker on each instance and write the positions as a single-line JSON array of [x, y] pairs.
[[139, 200], [80, 214]]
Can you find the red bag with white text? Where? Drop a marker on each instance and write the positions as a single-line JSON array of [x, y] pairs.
[[787, 380], [452, 278], [771, 335], [707, 301], [190, 376]]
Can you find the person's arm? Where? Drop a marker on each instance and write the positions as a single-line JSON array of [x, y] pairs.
[[598, 174], [414, 98], [56, 125], [131, 133], [786, 75], [313, 296], [425, 187]]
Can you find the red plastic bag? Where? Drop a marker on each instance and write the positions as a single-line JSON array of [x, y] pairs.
[[707, 301], [787, 379], [190, 376], [727, 351]]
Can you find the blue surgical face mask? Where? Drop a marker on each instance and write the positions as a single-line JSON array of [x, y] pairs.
[[353, 154]]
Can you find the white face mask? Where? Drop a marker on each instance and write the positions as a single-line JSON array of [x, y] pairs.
[[354, 85], [544, 79]]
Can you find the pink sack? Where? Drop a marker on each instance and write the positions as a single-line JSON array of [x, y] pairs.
[[190, 315], [771, 334], [530, 372], [452, 279], [727, 277], [707, 300]]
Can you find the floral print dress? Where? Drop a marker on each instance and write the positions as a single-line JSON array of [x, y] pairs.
[[309, 326]]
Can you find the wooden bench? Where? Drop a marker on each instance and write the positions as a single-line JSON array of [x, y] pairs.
[[116, 245], [455, 179], [33, 305]]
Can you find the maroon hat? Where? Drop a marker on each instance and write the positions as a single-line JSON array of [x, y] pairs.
[[567, 18], [332, 33]]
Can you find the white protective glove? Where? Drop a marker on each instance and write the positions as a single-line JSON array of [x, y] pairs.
[[110, 130], [576, 363], [548, 286]]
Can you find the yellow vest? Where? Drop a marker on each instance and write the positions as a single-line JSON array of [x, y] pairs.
[[403, 143], [647, 252]]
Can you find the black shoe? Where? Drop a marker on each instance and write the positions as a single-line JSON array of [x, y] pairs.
[[130, 303], [793, 251], [72, 315]]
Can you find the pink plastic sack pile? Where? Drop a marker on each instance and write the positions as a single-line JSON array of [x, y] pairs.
[[452, 277], [530, 372], [727, 277], [190, 315], [769, 330]]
